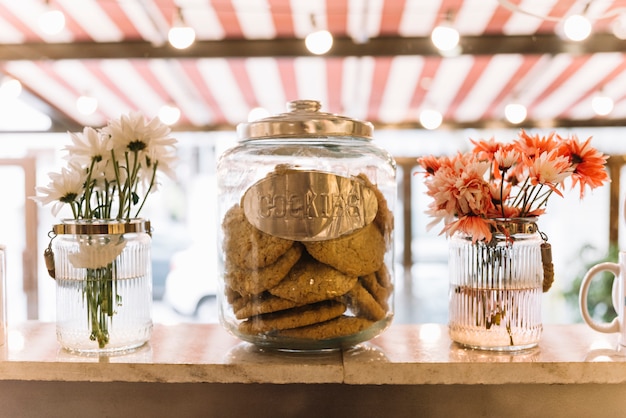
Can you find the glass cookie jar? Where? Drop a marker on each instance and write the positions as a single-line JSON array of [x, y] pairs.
[[305, 204]]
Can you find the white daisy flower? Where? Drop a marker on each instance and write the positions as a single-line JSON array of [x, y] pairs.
[[87, 147], [64, 187], [131, 133]]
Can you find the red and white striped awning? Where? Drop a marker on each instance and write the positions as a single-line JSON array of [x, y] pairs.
[[217, 91]]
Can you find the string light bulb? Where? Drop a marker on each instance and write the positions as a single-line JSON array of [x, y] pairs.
[[602, 104], [319, 41], [444, 36], [515, 113], [169, 114], [577, 27], [431, 119], [52, 21], [180, 35], [86, 104]]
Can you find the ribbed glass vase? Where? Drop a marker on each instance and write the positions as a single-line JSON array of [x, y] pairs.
[[104, 284], [496, 287]]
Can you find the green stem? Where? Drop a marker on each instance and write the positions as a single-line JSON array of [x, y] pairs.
[[88, 189], [521, 195], [145, 197], [102, 299], [503, 172], [118, 180], [131, 182]]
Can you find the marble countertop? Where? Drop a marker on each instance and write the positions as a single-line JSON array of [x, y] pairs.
[[402, 355]]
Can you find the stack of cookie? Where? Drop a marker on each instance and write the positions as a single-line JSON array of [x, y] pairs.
[[306, 291]]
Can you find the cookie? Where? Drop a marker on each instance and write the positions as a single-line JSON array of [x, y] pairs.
[[256, 281], [264, 303], [374, 288], [233, 297], [247, 247], [293, 318], [384, 278], [363, 304], [384, 216], [338, 327], [310, 281], [357, 254]]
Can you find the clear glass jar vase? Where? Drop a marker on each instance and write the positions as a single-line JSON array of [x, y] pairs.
[[496, 287], [103, 284], [305, 206]]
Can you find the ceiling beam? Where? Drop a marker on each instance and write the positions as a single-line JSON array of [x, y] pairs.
[[342, 47], [502, 124], [64, 125], [452, 125]]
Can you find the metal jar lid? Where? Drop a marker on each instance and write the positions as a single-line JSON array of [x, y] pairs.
[[102, 226], [304, 120]]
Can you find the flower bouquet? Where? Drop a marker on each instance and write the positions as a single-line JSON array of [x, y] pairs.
[[105, 246], [507, 180], [489, 200]]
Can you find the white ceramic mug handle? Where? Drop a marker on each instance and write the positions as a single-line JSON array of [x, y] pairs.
[[612, 326]]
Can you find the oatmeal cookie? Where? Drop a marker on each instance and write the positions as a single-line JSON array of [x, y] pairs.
[[292, 318], [363, 304], [262, 304], [380, 293], [256, 281], [384, 216], [234, 298], [384, 278], [247, 247], [310, 281], [338, 327], [359, 253]]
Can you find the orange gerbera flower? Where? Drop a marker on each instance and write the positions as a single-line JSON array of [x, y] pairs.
[[430, 163], [491, 150], [458, 187], [477, 227], [506, 157], [587, 162], [549, 169], [500, 191], [485, 150], [534, 145]]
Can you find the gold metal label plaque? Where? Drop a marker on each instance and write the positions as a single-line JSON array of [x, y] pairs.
[[309, 205]]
